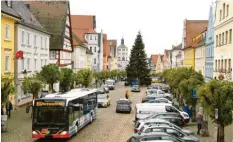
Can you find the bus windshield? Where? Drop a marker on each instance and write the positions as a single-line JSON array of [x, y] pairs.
[[48, 113]]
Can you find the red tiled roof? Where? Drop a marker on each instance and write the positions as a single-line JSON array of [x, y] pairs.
[[193, 28], [81, 25], [82, 21], [154, 58]]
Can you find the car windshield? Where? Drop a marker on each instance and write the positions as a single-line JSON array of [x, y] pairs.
[[135, 86], [102, 96]]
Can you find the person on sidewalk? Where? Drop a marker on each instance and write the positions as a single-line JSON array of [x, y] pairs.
[[199, 122], [127, 94], [9, 107]]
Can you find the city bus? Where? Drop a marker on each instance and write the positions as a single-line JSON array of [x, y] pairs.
[[63, 115]]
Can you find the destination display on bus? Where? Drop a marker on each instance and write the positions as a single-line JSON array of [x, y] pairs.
[[50, 104]]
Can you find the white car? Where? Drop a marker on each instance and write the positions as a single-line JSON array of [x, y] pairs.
[[160, 100], [158, 93]]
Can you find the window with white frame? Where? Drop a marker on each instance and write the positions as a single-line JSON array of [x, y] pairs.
[[22, 37], [90, 37], [41, 62], [52, 54], [28, 64], [94, 60], [35, 38], [41, 42], [7, 63], [28, 39], [22, 64], [35, 66], [45, 42], [7, 32], [45, 62], [9, 3]]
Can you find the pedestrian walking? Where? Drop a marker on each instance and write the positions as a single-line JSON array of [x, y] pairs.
[[9, 107], [199, 122], [127, 94]]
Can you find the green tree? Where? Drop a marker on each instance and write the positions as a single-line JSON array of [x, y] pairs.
[[50, 74], [66, 79], [186, 88], [218, 95], [7, 87], [138, 66], [84, 77], [32, 85]]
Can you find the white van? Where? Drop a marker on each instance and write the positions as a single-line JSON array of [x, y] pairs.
[[111, 84], [143, 110]]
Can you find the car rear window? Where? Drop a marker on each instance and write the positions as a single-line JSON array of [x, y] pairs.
[[123, 102]]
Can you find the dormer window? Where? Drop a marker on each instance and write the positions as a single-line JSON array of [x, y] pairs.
[[9, 3]]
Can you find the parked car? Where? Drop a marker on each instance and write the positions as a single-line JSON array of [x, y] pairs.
[[160, 100], [135, 88], [123, 105], [143, 110], [103, 100], [154, 87], [158, 93], [162, 114], [106, 88], [101, 90], [175, 120], [153, 135], [147, 99], [159, 122], [171, 131]]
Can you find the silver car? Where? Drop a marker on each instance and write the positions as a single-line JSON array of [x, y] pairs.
[[157, 122], [171, 131], [151, 136]]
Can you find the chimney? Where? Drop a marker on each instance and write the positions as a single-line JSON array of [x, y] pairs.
[[28, 6]]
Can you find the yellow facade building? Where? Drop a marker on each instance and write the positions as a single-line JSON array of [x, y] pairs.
[[223, 49], [189, 57], [8, 43], [9, 18]]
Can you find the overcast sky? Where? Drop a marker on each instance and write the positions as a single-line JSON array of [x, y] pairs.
[[160, 21]]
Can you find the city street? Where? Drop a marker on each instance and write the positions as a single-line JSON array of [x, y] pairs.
[[108, 127]]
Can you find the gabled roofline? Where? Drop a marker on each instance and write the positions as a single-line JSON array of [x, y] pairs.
[[11, 15]]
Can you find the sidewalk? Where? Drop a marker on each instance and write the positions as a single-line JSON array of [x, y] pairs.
[[18, 126]]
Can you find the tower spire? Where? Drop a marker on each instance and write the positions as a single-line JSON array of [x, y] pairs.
[[122, 40]]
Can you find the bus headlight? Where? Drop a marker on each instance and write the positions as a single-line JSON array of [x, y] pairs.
[[34, 132], [64, 133]]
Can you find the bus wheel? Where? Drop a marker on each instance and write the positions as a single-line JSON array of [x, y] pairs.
[[91, 119]]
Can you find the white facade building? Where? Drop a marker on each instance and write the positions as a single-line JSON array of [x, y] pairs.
[[93, 46], [122, 56], [176, 56], [33, 41]]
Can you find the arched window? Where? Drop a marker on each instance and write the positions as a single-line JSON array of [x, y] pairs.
[[123, 58], [223, 11]]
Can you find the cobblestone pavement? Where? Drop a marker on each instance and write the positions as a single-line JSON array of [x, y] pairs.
[[108, 127]]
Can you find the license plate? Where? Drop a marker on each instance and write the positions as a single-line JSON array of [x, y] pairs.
[[44, 130]]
